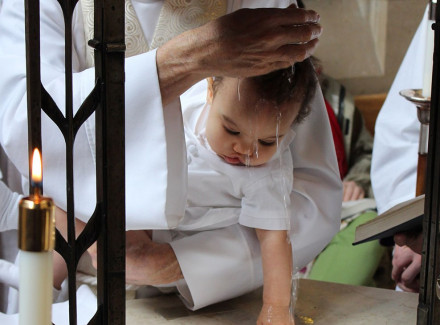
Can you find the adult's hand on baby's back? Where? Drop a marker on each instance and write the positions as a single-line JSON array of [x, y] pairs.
[[147, 262]]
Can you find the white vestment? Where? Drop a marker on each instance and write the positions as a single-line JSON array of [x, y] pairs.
[[156, 158], [396, 139]]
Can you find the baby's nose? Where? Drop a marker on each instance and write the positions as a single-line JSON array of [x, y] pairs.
[[242, 149]]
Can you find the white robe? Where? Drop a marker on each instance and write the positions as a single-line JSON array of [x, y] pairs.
[[156, 169], [396, 139]]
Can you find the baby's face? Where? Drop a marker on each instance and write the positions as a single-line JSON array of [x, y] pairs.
[[241, 128]]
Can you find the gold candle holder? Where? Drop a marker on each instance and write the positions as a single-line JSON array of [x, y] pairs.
[[36, 224], [36, 241]]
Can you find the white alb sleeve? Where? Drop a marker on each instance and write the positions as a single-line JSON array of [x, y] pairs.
[[155, 150]]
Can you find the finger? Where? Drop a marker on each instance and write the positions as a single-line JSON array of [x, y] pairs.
[[411, 272], [299, 34], [358, 193], [396, 272], [399, 265], [405, 288], [292, 53], [292, 16], [274, 37], [348, 190]]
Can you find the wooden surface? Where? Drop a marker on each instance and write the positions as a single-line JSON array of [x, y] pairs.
[[369, 106], [318, 303]]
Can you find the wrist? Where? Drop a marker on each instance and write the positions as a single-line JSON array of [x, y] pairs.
[[179, 65]]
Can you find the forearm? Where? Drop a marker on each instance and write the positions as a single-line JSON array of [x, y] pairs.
[[276, 253], [177, 66]]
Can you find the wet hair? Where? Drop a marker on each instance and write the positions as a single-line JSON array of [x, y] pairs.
[[296, 83]]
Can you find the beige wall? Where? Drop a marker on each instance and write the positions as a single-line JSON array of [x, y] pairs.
[[364, 41]]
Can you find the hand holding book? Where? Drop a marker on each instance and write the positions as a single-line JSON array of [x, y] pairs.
[[402, 218], [413, 240]]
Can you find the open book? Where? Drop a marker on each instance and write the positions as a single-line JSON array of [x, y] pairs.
[[404, 216]]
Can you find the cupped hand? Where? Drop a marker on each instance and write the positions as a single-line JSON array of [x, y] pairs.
[[275, 315], [256, 41], [406, 268], [247, 42]]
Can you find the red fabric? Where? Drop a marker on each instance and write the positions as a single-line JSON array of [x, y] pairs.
[[338, 139]]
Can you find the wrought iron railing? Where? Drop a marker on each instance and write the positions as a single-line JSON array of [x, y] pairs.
[[429, 296], [107, 225]]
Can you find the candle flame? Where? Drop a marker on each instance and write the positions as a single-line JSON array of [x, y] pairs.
[[36, 167]]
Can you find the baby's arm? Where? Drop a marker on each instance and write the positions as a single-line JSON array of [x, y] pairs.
[[276, 254]]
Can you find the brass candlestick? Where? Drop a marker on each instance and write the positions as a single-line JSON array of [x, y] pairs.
[[36, 240], [423, 105]]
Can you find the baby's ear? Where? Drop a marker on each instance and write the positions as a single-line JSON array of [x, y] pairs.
[[210, 92]]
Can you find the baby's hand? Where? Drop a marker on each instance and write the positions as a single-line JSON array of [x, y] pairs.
[[275, 315]]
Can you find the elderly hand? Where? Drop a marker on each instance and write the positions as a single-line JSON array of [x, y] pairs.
[[245, 43], [150, 263], [406, 268], [352, 191], [147, 262]]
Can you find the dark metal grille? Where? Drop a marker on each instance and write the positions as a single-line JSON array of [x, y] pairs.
[[107, 225], [429, 304]]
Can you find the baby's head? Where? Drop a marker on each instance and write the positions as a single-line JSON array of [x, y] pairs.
[[249, 117]]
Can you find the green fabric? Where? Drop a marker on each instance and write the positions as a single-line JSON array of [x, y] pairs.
[[342, 262]]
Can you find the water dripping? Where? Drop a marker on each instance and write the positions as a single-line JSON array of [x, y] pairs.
[[255, 149], [293, 72], [238, 88], [247, 161], [277, 132], [294, 291]]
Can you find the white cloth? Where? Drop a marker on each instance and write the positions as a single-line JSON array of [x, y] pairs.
[[86, 303], [262, 192], [145, 134], [218, 264], [396, 139], [8, 208]]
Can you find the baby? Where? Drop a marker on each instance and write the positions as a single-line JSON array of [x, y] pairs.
[[239, 157]]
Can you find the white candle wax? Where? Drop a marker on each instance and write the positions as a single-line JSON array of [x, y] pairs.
[[427, 68], [35, 288]]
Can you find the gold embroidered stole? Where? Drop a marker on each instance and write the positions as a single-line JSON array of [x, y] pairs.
[[175, 17]]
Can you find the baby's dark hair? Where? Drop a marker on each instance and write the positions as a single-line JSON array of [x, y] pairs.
[[297, 82]]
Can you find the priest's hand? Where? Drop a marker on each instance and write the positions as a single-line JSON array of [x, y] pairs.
[[245, 43], [406, 268]]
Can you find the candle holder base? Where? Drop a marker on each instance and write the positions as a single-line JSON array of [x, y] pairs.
[[423, 103]]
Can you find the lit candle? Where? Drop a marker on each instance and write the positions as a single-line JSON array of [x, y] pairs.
[[427, 69], [36, 231]]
